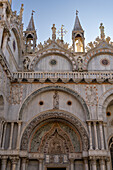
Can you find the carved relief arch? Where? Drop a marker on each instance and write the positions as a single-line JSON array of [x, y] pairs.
[[56, 127]]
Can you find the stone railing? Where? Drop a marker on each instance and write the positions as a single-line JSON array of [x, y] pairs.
[[76, 76]]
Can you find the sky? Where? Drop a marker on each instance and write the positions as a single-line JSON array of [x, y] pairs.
[[58, 12]]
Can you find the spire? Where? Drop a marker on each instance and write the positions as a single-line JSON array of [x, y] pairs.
[[78, 36], [30, 36], [77, 25], [31, 26]]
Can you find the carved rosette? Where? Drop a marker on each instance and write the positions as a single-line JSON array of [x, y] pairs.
[[55, 115]]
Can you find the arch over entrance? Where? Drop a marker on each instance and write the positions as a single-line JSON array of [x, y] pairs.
[[58, 88], [59, 118]]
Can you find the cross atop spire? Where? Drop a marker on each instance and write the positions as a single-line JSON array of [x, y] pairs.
[[77, 25], [31, 25]]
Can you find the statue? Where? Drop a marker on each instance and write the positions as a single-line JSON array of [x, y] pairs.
[[79, 61], [26, 63], [53, 32], [102, 35], [56, 100], [79, 46]]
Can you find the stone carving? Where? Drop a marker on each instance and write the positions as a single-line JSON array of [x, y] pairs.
[[91, 95], [102, 35], [26, 63], [55, 115], [37, 138], [56, 100], [56, 141], [80, 62], [16, 93]]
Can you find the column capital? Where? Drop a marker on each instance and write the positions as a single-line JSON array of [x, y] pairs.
[[85, 160], [4, 160], [24, 159], [14, 159]]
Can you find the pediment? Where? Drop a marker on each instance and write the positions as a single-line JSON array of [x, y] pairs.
[[104, 45]]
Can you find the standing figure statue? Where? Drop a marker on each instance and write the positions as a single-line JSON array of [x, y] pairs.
[[56, 100]]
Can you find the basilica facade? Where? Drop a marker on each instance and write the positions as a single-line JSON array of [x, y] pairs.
[[56, 100]]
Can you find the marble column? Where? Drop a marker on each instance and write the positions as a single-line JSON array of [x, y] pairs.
[[86, 164], [72, 164], [1, 34], [108, 164], [11, 135], [14, 161], [4, 134], [90, 134], [4, 163], [1, 132], [101, 135], [94, 164], [18, 135], [9, 165], [24, 163], [102, 164], [40, 164], [105, 134], [95, 132]]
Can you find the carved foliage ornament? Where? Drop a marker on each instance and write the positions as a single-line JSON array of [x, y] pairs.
[[55, 115]]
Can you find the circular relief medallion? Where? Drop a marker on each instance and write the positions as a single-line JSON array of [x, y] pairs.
[[105, 62], [53, 62]]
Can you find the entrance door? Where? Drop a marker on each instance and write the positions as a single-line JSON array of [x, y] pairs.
[[56, 168]]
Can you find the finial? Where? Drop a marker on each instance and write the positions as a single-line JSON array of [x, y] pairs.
[[77, 12], [33, 12], [21, 11], [102, 34]]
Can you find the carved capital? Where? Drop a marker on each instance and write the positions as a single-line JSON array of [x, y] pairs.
[[14, 159]]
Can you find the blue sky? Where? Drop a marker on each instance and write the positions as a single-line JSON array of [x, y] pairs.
[[58, 12]]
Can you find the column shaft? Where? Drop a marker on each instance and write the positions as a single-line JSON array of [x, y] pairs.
[[4, 163], [95, 132], [105, 134], [102, 165], [1, 34], [3, 142], [18, 136], [90, 134], [101, 136], [86, 164], [40, 164], [11, 135], [1, 133], [108, 165], [24, 164], [94, 165]]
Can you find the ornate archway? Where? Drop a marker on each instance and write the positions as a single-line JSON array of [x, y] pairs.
[[56, 117]]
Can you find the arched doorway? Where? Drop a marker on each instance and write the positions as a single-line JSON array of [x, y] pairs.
[[57, 139]]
